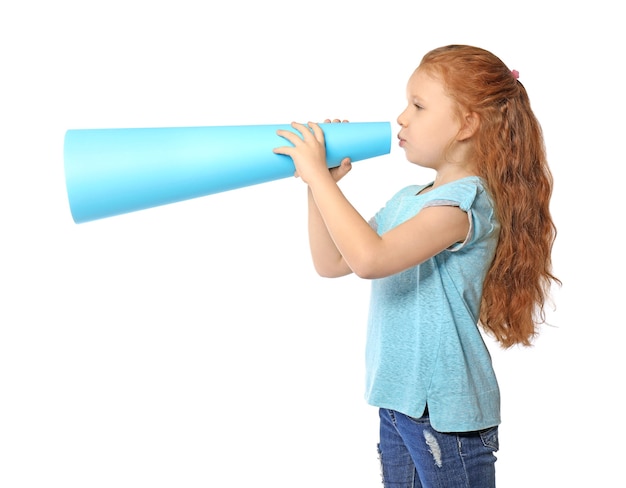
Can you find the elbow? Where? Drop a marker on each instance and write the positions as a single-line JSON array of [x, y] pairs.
[[366, 274], [367, 270], [361, 272], [327, 274], [332, 270], [322, 271]]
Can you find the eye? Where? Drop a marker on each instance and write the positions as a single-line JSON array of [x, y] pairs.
[[417, 106]]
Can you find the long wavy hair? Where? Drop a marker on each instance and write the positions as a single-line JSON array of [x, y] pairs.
[[508, 148]]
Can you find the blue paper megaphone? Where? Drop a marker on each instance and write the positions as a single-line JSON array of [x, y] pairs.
[[114, 171]]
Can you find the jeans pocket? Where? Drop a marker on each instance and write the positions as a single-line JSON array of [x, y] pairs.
[[489, 437]]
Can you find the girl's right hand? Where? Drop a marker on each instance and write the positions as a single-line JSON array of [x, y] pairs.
[[342, 170]]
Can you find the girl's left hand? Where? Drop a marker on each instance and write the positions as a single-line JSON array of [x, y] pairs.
[[308, 152]]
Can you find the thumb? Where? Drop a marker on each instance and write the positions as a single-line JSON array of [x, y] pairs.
[[342, 170]]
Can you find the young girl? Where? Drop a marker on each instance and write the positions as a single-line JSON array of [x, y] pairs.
[[471, 247]]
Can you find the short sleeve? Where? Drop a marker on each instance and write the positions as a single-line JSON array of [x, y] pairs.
[[470, 196]]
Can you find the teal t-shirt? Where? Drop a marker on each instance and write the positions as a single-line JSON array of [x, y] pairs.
[[423, 341]]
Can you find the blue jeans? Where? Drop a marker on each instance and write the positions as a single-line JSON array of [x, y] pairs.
[[414, 455]]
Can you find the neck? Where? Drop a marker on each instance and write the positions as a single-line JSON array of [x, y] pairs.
[[458, 164], [454, 173]]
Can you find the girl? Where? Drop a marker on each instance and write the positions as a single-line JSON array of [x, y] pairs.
[[470, 248]]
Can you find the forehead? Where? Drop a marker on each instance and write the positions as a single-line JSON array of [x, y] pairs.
[[424, 84]]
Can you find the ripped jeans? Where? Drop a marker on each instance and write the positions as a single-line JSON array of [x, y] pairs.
[[414, 455]]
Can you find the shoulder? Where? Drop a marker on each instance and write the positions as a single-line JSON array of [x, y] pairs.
[[469, 195], [464, 193]]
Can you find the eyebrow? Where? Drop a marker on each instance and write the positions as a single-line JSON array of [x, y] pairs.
[[415, 98], [412, 95]]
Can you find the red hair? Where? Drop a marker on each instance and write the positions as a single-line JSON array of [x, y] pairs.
[[509, 151]]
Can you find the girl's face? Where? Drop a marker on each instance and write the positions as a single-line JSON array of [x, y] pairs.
[[429, 124]]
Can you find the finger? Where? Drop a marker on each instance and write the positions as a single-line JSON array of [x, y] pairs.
[[342, 170], [289, 135], [306, 131], [302, 129], [286, 150], [346, 163], [345, 166], [317, 132]]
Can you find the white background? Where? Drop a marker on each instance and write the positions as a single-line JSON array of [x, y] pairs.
[[192, 344]]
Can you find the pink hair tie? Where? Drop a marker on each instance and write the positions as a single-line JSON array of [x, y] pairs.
[[515, 74]]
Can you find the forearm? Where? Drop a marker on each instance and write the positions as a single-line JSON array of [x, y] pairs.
[[327, 259], [352, 237]]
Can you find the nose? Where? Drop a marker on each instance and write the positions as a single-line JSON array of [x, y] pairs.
[[402, 118]]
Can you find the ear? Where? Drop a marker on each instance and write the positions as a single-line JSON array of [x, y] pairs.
[[471, 123]]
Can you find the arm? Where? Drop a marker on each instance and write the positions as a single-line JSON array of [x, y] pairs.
[[369, 255], [327, 259], [365, 252]]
